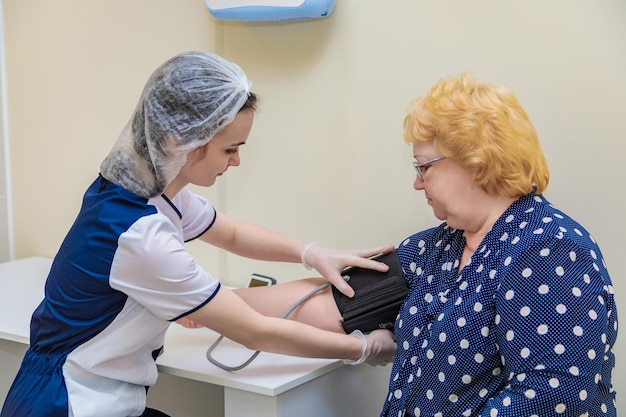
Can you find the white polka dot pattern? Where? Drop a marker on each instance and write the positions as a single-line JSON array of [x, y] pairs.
[[526, 329]]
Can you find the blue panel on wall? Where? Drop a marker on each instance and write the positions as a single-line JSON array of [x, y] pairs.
[[269, 10]]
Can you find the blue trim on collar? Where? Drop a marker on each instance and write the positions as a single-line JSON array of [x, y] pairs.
[[180, 216]]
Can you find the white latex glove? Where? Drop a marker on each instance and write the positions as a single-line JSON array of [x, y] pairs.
[[379, 347], [331, 262]]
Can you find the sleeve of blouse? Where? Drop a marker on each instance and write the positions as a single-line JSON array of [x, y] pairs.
[[411, 251], [152, 266], [198, 215], [551, 328]]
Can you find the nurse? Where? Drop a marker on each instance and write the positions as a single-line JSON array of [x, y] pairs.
[[123, 275]]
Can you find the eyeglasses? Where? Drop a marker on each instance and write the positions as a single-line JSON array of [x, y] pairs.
[[421, 168]]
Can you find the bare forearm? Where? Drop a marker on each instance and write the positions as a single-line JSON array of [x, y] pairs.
[[259, 243], [253, 241], [319, 311], [229, 315], [279, 337]]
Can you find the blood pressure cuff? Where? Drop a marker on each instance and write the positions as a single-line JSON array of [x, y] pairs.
[[377, 299]]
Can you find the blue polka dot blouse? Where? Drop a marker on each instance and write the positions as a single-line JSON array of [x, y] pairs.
[[526, 329]]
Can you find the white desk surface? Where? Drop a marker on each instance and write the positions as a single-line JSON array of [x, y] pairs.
[[21, 291], [269, 374]]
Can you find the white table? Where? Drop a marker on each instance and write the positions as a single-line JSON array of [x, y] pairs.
[[271, 386]]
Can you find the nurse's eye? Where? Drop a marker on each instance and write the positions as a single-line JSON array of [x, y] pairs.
[[232, 151]]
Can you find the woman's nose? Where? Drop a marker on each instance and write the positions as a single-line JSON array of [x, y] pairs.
[[418, 184], [234, 160]]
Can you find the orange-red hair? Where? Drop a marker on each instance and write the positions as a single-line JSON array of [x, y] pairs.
[[484, 128]]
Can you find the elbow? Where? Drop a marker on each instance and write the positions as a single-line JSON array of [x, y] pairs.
[[254, 344], [256, 338], [249, 341]]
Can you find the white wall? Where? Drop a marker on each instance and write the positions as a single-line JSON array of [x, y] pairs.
[[325, 161]]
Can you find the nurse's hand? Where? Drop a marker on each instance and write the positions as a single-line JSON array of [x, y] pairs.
[[382, 347], [190, 324], [331, 262], [379, 347]]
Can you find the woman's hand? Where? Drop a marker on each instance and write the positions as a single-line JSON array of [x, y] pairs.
[[331, 262], [188, 323]]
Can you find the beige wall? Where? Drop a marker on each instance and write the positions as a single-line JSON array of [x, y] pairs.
[[325, 161], [6, 243]]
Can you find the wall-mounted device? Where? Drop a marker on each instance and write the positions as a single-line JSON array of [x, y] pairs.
[[269, 10]]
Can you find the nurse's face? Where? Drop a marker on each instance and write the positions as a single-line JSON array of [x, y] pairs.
[[207, 163]]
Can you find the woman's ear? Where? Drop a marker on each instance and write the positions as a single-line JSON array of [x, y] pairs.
[[197, 153]]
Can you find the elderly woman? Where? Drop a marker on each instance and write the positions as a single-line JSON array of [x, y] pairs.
[[122, 274], [511, 309]]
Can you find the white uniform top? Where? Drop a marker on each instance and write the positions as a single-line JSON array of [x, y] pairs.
[[121, 276]]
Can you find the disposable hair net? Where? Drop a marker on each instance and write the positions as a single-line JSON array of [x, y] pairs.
[[184, 103]]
